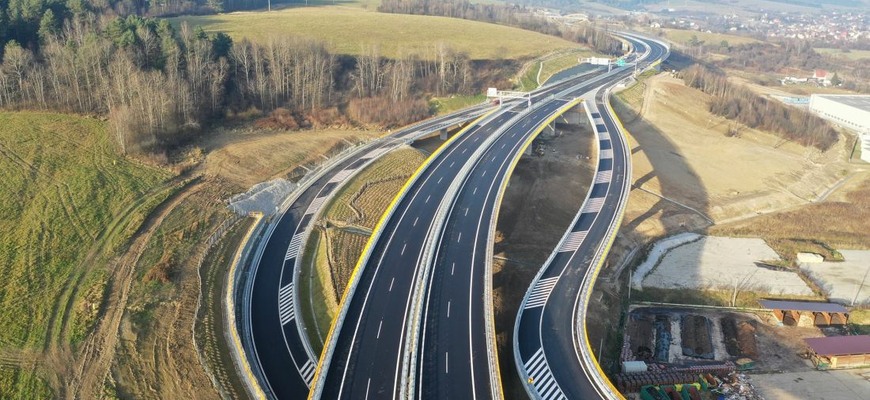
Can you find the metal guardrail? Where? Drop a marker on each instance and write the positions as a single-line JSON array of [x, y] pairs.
[[237, 352], [430, 248], [495, 376], [300, 326], [332, 338], [247, 359], [587, 358]]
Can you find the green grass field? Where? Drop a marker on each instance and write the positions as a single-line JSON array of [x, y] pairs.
[[561, 62], [446, 105], [850, 55], [349, 30], [682, 36], [68, 203]]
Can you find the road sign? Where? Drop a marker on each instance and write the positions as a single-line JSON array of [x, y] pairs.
[[620, 62]]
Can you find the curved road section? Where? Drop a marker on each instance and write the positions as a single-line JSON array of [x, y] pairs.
[[370, 349], [551, 348], [456, 346], [275, 342]]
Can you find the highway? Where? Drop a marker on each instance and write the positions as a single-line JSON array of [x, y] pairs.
[[551, 345], [457, 340], [367, 352], [276, 345], [369, 346], [454, 361]]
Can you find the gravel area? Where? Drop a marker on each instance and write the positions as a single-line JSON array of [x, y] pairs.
[[265, 197], [846, 281], [814, 385], [723, 263]]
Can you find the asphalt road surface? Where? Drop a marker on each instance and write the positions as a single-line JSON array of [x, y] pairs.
[[277, 346], [551, 324]]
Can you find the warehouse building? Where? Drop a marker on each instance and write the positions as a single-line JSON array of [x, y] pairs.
[[848, 111], [840, 351]]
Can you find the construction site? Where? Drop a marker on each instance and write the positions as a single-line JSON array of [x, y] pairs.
[[712, 353]]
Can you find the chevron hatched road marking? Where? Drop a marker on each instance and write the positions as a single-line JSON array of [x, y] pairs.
[[541, 292], [542, 378], [573, 241], [375, 153], [315, 205], [285, 304], [593, 205], [342, 175], [606, 153], [604, 176], [307, 371], [293, 248]]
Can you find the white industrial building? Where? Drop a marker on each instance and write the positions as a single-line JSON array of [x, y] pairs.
[[848, 111]]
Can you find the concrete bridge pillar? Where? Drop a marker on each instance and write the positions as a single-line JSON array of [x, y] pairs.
[[443, 134], [573, 117], [549, 131]]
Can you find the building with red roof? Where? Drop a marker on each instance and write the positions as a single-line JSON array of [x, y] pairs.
[[840, 351]]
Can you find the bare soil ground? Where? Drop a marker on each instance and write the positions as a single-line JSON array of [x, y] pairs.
[[724, 335], [543, 195]]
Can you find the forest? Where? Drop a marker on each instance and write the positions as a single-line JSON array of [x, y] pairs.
[[160, 85], [741, 104], [506, 14]]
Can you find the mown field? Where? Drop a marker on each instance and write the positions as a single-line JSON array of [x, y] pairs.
[[351, 30], [333, 249], [70, 202], [849, 55], [682, 36]]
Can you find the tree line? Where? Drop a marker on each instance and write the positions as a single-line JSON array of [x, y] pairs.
[[29, 21], [507, 14], [741, 104], [159, 85], [783, 55]]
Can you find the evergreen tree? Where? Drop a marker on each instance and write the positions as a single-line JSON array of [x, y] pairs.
[[47, 25]]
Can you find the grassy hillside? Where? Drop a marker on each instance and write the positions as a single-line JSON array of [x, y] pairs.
[[67, 206], [349, 30]]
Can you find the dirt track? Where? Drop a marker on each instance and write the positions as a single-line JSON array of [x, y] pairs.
[[98, 350]]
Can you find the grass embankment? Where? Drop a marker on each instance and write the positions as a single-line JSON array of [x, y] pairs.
[[340, 237], [210, 324], [70, 201], [447, 105], [395, 34], [539, 71], [245, 159]]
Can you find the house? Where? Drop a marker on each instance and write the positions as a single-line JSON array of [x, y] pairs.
[[822, 77]]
